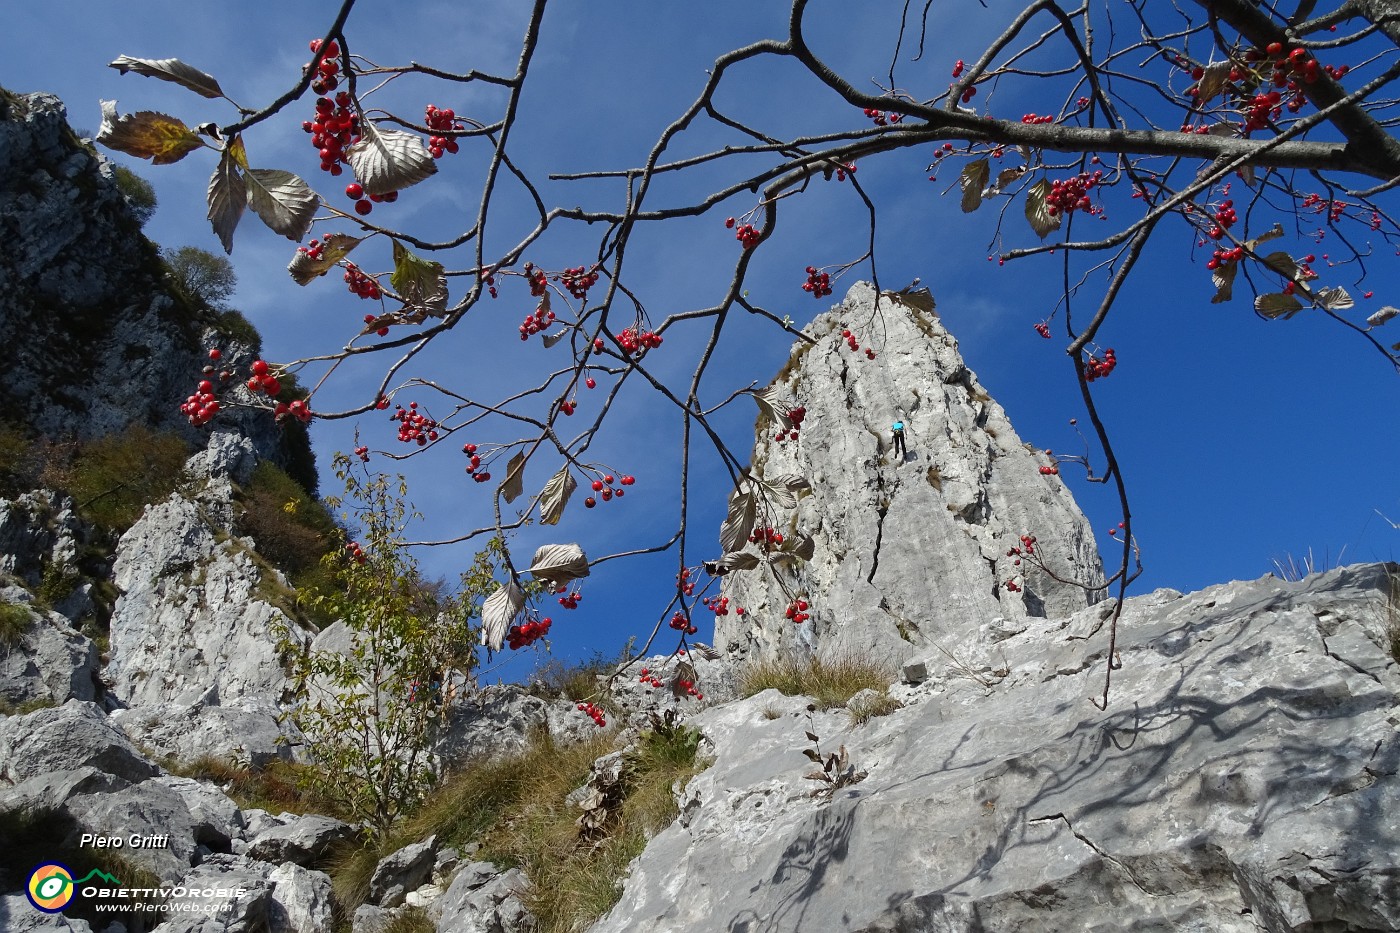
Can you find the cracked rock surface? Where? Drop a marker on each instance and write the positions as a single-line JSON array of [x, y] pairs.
[[1243, 778], [908, 550]]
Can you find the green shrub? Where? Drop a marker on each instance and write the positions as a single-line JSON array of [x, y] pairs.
[[140, 195], [829, 681], [291, 528], [114, 478], [236, 327], [15, 620], [57, 583]]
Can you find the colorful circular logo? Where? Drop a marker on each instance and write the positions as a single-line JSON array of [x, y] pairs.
[[50, 887]]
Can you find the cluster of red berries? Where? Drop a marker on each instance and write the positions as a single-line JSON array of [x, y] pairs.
[[1033, 120], [382, 330], [474, 464], [444, 121], [491, 285], [414, 426], [1027, 547], [648, 678], [851, 342], [880, 118], [365, 203], [570, 599], [593, 712], [579, 280], [1224, 218], [363, 453], [684, 584], [1113, 532], [203, 405], [818, 283], [1052, 470], [262, 379], [970, 93], [719, 605], [1043, 329], [538, 285], [766, 537], [634, 339], [334, 129], [1333, 209], [568, 406], [328, 70], [1072, 194], [357, 553], [297, 408], [1012, 587], [527, 633], [1097, 368], [797, 611], [365, 286], [606, 489], [681, 624], [1223, 257], [1262, 109], [689, 687], [795, 415], [746, 234], [535, 323], [958, 68]]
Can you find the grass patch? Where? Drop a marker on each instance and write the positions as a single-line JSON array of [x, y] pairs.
[[278, 787], [15, 620], [28, 706], [829, 682], [114, 478], [515, 807], [864, 710], [410, 920], [555, 680]]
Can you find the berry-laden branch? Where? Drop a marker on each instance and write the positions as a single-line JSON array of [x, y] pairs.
[[1212, 138]]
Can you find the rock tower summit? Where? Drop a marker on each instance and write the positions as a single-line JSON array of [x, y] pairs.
[[907, 548]]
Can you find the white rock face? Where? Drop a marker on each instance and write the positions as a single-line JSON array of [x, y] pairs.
[[907, 552], [190, 626], [1245, 777]]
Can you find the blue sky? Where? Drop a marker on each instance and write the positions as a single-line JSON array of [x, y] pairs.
[[1242, 440]]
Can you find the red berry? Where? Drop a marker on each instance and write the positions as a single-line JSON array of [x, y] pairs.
[[354, 191], [363, 207]]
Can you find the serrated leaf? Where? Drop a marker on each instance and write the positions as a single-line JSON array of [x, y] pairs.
[[498, 613], [388, 160], [1273, 233], [973, 179], [147, 135], [1223, 278], [800, 545], [557, 563], [1008, 175], [734, 560], [514, 483], [170, 69], [227, 196], [1226, 128], [555, 496], [421, 283], [549, 340], [1383, 315], [778, 495], [282, 200], [1282, 263], [334, 247], [738, 523], [795, 482], [1277, 304], [1335, 299], [1037, 211], [1217, 75], [776, 411]]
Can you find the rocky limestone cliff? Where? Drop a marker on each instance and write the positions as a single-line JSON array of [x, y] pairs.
[[909, 552], [1245, 778]]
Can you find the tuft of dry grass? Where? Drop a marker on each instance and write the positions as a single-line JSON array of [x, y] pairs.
[[864, 710], [830, 682]]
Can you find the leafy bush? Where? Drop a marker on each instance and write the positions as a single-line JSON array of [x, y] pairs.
[[139, 194], [372, 714], [292, 529], [203, 278], [829, 681], [15, 620], [236, 327], [114, 478]]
